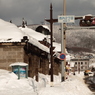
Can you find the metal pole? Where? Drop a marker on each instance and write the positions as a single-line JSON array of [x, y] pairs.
[[62, 62]]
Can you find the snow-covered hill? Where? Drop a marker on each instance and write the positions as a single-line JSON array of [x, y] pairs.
[[78, 41], [77, 37]]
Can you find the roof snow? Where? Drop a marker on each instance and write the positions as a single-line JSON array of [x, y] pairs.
[[34, 38], [9, 32], [30, 32], [46, 27], [18, 64]]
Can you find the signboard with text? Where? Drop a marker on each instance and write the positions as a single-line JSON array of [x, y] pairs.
[[66, 19]]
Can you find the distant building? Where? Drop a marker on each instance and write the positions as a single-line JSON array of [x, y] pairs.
[[80, 64], [43, 29]]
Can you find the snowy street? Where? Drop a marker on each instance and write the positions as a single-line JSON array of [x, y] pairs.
[[74, 85]]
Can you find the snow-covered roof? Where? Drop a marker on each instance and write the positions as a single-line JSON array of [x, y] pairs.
[[30, 32], [18, 64], [46, 27], [9, 32], [38, 44], [57, 46], [34, 38], [87, 15]]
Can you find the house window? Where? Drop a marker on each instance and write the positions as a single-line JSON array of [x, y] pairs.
[[81, 63], [75, 63], [85, 62]]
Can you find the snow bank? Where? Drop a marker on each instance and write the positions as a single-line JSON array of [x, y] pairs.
[[10, 85], [74, 85]]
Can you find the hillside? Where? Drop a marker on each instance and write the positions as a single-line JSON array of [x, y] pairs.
[[80, 40]]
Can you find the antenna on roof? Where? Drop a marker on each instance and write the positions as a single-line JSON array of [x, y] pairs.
[[45, 21], [26, 23], [23, 23], [10, 21]]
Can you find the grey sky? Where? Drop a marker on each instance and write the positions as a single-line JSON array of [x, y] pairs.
[[34, 11]]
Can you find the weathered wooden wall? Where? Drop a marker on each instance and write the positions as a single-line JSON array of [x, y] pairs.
[[32, 56]]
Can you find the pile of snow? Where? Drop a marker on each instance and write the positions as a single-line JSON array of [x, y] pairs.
[[74, 85], [10, 85]]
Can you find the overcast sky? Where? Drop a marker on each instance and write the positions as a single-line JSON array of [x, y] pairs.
[[35, 11]]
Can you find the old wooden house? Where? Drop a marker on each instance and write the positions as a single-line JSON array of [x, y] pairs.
[[37, 51], [19, 45], [43, 29], [11, 45]]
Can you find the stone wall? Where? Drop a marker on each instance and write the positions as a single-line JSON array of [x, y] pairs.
[[10, 54]]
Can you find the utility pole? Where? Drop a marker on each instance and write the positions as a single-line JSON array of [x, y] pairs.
[[51, 21], [63, 44], [64, 7], [51, 50]]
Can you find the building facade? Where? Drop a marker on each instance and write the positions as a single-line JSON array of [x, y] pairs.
[[80, 64]]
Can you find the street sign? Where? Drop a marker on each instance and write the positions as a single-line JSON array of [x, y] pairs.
[[62, 56], [66, 19]]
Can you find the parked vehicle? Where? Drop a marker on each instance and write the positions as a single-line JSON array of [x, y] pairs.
[[88, 72]]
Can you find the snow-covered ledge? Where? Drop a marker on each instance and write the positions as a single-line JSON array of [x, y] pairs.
[[18, 64]]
